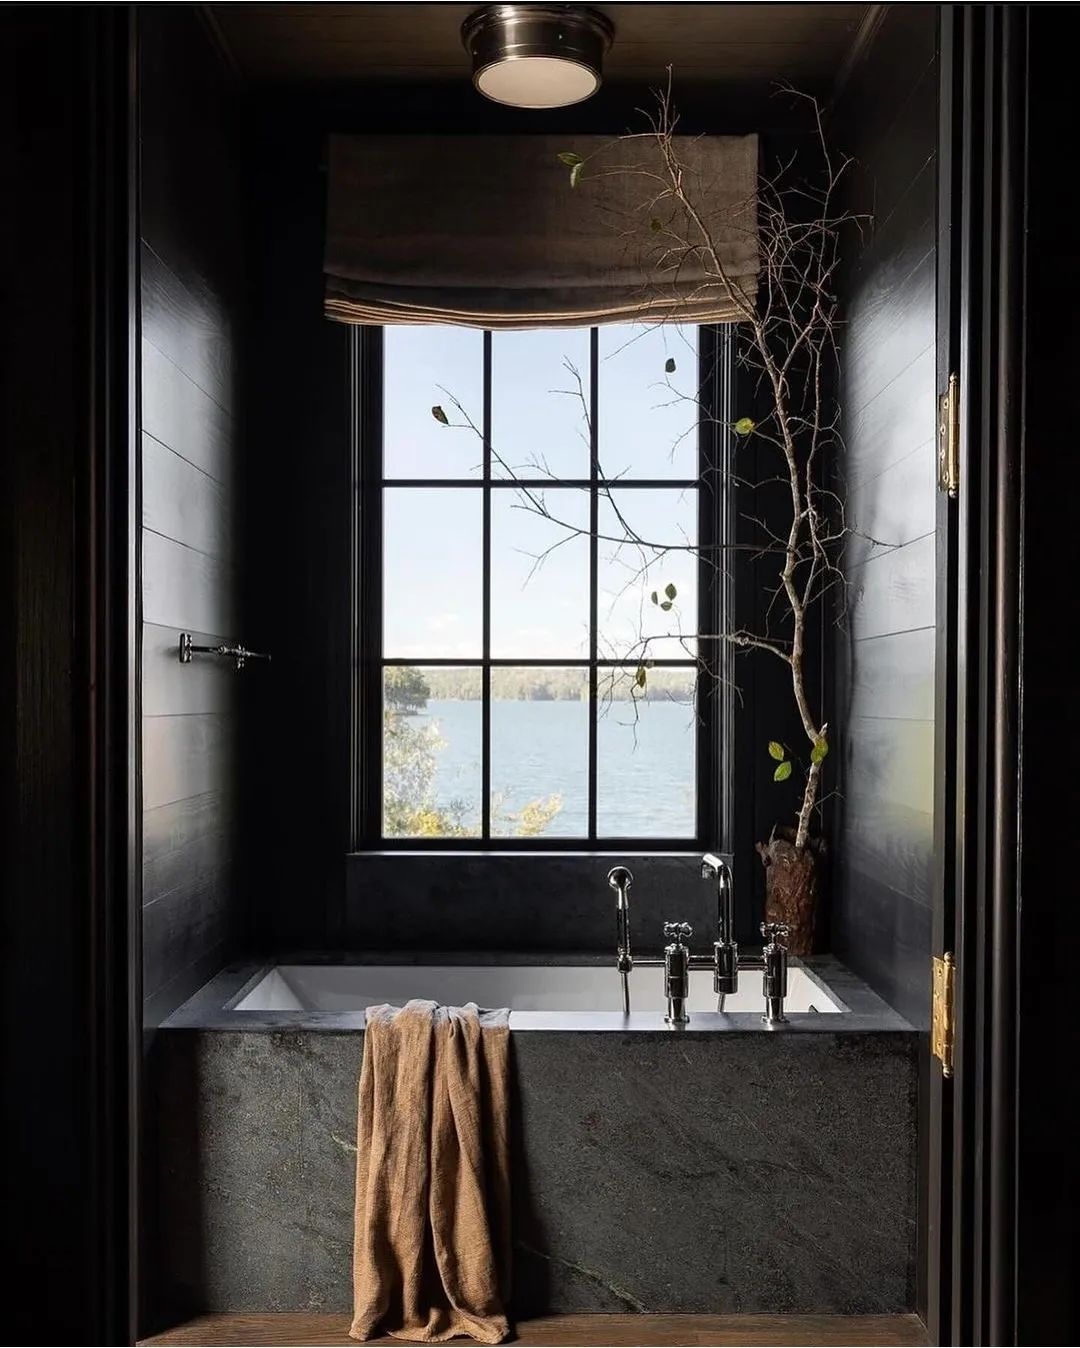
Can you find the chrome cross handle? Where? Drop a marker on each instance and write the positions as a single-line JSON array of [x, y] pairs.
[[774, 971], [678, 931], [677, 971]]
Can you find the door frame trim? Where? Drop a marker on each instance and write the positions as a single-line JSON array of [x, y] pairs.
[[972, 1117]]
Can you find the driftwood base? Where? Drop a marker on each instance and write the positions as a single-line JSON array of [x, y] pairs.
[[791, 887]]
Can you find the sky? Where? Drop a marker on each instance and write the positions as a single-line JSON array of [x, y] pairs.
[[433, 536]]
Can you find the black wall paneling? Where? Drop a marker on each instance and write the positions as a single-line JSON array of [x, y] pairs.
[[887, 120], [197, 719], [885, 650], [300, 510], [194, 316]]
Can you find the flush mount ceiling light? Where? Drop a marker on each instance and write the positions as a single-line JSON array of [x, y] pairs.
[[537, 56]]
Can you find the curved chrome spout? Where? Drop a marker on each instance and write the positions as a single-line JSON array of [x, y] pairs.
[[714, 867], [725, 950]]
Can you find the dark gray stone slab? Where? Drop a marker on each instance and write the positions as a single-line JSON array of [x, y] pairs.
[[492, 900], [653, 1172], [732, 1173], [256, 1147]]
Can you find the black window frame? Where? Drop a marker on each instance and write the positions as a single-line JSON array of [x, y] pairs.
[[716, 525]]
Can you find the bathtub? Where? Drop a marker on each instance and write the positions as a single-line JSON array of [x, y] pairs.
[[524, 988], [715, 1167]]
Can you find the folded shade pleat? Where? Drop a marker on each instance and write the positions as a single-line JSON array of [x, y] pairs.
[[487, 231]]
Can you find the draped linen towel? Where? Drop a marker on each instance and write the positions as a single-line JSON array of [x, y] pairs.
[[486, 231], [431, 1255]]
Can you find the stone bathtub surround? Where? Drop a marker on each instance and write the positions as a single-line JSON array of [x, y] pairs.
[[721, 1168]]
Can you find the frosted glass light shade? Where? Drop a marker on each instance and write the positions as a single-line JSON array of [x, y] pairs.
[[537, 82]]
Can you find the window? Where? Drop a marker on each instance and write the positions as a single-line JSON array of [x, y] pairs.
[[539, 514]]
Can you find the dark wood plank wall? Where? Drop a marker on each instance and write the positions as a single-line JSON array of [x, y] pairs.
[[300, 519], [194, 299], [885, 652]]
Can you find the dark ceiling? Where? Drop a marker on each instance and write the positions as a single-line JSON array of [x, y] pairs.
[[729, 46]]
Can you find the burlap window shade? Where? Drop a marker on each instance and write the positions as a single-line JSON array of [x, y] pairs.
[[486, 231]]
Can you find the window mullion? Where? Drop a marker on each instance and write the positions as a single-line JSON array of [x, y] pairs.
[[368, 558], [485, 671], [594, 529]]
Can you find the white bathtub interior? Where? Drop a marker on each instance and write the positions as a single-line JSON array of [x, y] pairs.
[[521, 987]]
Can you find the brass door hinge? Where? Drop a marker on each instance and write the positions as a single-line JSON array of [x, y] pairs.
[[949, 438], [941, 1019]]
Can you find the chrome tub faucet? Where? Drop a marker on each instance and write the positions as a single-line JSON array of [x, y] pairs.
[[725, 960], [725, 947]]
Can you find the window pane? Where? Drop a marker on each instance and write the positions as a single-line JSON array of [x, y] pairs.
[[646, 755], [539, 753], [422, 366], [540, 573], [647, 426], [432, 734], [645, 537], [433, 572], [538, 422]]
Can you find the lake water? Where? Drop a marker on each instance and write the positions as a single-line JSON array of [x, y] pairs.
[[645, 771]]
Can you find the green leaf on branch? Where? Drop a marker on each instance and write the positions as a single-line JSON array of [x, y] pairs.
[[820, 749], [440, 416], [744, 426], [670, 590], [569, 158], [666, 605], [783, 771], [641, 676], [656, 224], [776, 750], [654, 597], [669, 365], [575, 173]]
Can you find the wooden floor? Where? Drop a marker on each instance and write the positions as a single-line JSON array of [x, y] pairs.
[[564, 1331]]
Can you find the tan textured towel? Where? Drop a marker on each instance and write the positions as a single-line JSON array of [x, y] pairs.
[[431, 1257]]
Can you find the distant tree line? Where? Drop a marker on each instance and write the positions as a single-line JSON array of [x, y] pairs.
[[520, 684]]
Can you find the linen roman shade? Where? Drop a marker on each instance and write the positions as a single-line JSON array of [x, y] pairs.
[[487, 231]]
